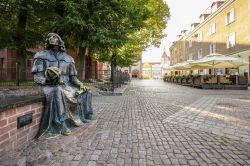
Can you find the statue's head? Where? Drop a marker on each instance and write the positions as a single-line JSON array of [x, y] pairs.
[[54, 39]]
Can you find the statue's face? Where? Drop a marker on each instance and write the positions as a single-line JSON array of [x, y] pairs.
[[53, 40]]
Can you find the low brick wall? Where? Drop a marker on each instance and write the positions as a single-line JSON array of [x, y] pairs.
[[10, 136]]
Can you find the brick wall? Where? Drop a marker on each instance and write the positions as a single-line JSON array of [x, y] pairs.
[[10, 136]]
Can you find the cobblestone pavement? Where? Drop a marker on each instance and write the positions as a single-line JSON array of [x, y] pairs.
[[156, 123]]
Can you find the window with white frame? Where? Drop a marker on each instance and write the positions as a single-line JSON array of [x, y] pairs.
[[248, 5], [231, 40], [212, 29], [200, 53], [190, 43], [199, 37], [230, 16], [190, 57], [212, 48]]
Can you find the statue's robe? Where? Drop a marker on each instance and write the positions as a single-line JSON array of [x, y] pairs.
[[62, 106]]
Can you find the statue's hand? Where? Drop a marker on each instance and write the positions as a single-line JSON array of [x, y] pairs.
[[84, 88]]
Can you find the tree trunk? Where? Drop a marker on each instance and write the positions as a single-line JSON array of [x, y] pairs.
[[88, 71], [81, 63], [20, 41]]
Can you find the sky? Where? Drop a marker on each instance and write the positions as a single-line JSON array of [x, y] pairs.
[[183, 14]]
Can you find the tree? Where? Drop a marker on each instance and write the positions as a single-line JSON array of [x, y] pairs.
[[147, 31], [22, 26], [96, 25], [113, 31]]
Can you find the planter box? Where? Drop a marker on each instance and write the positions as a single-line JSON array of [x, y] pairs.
[[243, 80]]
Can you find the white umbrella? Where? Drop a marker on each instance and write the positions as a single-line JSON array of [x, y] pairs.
[[172, 67], [219, 61], [180, 66]]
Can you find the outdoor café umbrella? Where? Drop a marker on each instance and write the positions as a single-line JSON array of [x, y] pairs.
[[180, 66], [219, 61], [172, 67]]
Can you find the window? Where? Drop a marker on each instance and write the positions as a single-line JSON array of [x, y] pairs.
[[190, 43], [190, 56], [231, 40], [200, 53], [212, 48], [212, 29], [248, 5], [230, 17], [2, 63], [199, 38], [29, 63]]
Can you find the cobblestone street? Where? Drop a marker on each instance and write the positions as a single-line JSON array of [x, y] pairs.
[[157, 123]]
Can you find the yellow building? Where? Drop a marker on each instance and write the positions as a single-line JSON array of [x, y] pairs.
[[146, 71], [177, 50], [224, 28]]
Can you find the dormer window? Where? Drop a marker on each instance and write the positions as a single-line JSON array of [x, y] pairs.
[[203, 17], [230, 17], [213, 8]]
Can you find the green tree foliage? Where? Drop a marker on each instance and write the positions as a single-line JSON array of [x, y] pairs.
[[114, 30], [147, 31], [34, 22], [21, 27]]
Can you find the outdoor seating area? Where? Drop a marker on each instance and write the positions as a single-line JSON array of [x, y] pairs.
[[210, 82]]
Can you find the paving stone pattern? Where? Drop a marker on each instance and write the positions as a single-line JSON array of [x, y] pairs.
[[156, 123], [227, 117]]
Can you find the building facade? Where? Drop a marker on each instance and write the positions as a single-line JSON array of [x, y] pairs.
[[177, 50], [224, 28], [8, 69]]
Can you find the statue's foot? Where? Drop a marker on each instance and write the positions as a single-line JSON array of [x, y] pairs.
[[77, 124], [67, 132]]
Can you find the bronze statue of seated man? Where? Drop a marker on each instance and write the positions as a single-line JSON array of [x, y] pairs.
[[68, 102]]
